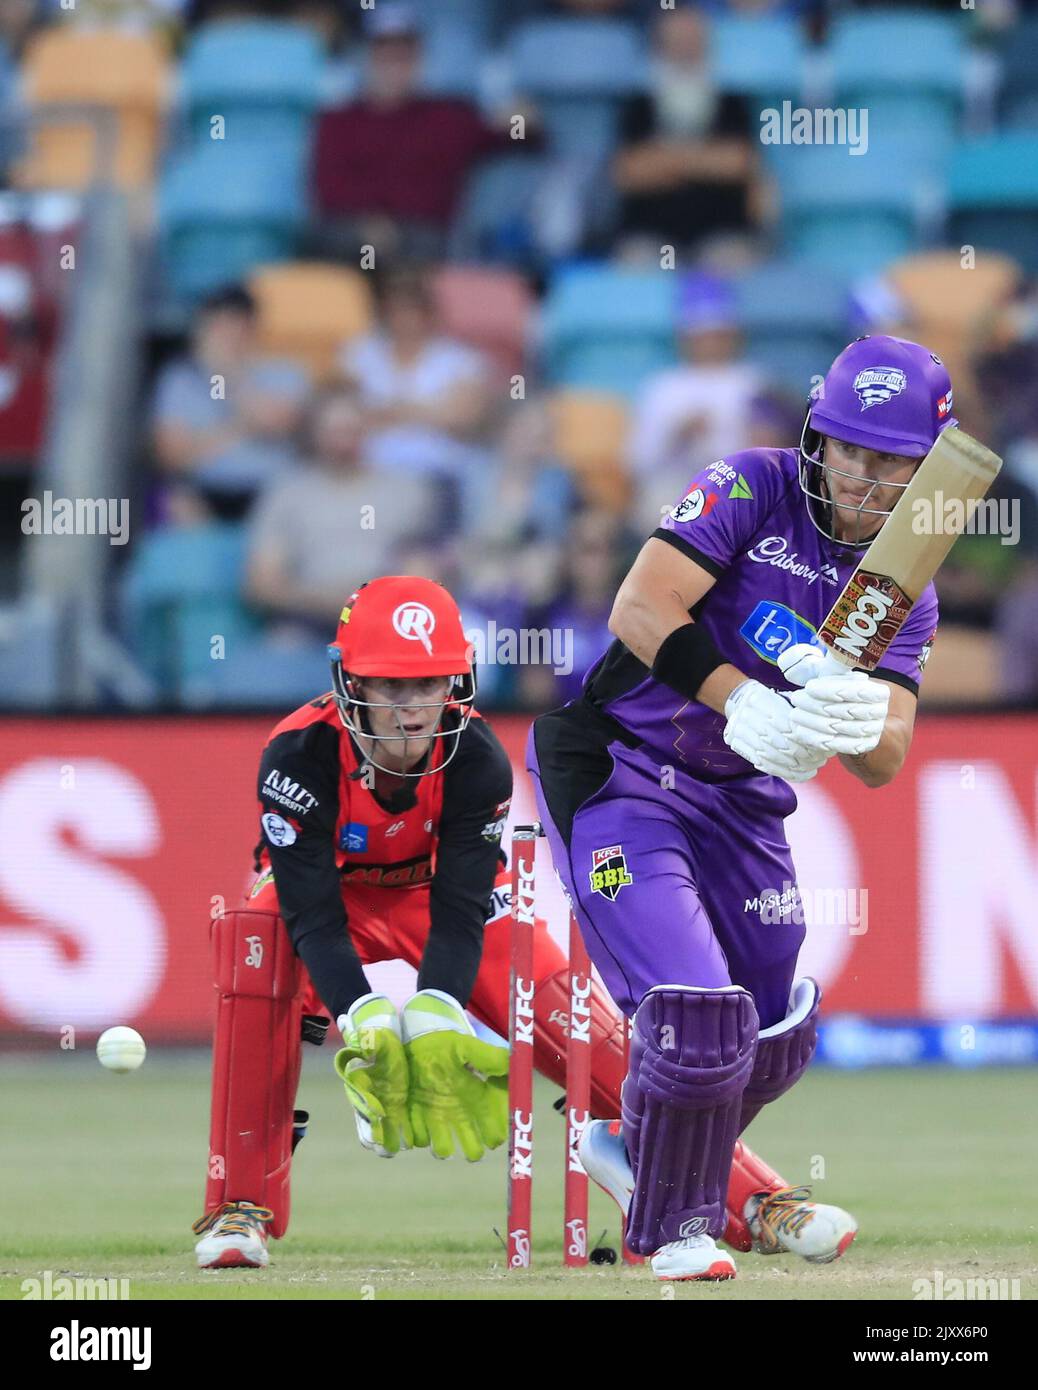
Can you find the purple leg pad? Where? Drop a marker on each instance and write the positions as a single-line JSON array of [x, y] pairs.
[[783, 1052], [691, 1058]]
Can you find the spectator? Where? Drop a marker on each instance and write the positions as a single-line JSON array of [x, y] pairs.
[[527, 494], [23, 370], [223, 420], [685, 168], [389, 168], [315, 537], [576, 621], [426, 397], [688, 416]]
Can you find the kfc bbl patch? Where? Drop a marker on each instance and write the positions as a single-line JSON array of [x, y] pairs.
[[609, 872]]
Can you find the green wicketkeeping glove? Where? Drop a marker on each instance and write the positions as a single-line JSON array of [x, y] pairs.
[[373, 1067], [459, 1084]]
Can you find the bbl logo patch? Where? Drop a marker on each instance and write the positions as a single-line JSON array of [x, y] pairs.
[[609, 872]]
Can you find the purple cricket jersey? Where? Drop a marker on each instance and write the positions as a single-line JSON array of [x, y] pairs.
[[746, 521]]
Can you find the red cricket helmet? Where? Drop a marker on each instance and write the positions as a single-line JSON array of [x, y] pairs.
[[402, 627]]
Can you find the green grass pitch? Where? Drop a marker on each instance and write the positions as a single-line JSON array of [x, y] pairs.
[[103, 1176]]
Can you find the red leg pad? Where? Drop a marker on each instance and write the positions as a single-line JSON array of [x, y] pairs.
[[749, 1174], [256, 1062]]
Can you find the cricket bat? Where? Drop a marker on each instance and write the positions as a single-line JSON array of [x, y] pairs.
[[905, 555]]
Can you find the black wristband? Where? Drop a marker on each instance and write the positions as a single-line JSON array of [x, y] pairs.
[[685, 658]]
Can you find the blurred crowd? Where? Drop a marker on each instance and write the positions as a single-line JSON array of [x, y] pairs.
[[490, 316]]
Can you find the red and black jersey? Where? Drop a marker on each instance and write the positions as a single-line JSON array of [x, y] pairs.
[[323, 827]]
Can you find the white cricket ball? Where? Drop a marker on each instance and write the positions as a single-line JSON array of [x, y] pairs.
[[121, 1049]]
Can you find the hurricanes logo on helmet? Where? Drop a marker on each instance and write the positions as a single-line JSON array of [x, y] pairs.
[[416, 622], [875, 385]]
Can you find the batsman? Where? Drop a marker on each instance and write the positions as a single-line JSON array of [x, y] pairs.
[[664, 788], [381, 810]]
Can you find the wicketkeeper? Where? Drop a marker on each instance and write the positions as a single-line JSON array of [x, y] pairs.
[[382, 805]]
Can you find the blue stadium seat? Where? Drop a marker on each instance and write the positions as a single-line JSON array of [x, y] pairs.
[[224, 210], [578, 71], [9, 137], [883, 49], [495, 222], [262, 76], [761, 57], [180, 590], [795, 320], [456, 39], [906, 67], [609, 329], [1018, 98], [993, 197], [261, 672], [850, 213]]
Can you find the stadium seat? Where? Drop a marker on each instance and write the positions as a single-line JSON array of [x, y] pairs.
[[578, 71], [223, 211], [261, 672], [456, 38], [948, 306], [308, 310], [497, 217], [848, 213], [9, 134], [107, 69], [794, 318], [608, 329], [180, 591], [762, 57], [1018, 97], [906, 67], [907, 72], [32, 643], [993, 197], [590, 431], [488, 308], [262, 76]]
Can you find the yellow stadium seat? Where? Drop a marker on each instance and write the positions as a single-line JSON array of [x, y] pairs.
[[590, 432], [955, 304], [125, 73], [308, 310]]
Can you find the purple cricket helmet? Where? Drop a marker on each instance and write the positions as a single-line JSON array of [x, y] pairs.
[[881, 393]]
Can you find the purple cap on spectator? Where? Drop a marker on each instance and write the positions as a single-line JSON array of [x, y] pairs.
[[705, 302], [392, 19]]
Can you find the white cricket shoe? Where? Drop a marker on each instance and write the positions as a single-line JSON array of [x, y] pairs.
[[788, 1221], [695, 1256], [233, 1236]]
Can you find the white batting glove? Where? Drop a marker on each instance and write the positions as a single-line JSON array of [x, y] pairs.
[[761, 729], [803, 661], [838, 710]]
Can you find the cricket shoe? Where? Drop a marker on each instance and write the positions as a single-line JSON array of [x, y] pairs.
[[788, 1221], [695, 1256], [233, 1236]]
